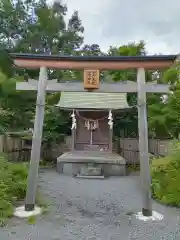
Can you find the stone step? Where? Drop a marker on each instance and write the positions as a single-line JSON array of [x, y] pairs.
[[90, 171], [89, 177]]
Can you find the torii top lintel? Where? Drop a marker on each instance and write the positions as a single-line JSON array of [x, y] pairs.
[[92, 62]]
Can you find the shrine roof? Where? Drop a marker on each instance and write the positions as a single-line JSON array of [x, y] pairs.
[[93, 100]]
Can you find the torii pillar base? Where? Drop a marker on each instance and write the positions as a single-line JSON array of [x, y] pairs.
[[20, 212]]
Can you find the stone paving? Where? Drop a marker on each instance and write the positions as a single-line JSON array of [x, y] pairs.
[[93, 209]]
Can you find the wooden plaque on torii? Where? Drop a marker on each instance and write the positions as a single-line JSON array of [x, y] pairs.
[[91, 79]]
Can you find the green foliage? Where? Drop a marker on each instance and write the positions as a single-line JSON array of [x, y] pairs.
[[131, 49], [171, 75], [38, 27], [17, 107], [33, 26], [56, 125], [166, 177], [156, 116], [12, 186], [172, 111], [163, 117], [5, 62]]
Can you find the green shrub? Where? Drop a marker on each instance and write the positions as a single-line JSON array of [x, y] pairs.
[[165, 174], [13, 179]]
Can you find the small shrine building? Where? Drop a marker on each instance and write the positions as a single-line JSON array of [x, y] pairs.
[[92, 133]]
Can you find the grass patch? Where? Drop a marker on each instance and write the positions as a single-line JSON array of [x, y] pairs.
[[13, 184], [42, 202], [32, 220], [13, 179], [165, 174]]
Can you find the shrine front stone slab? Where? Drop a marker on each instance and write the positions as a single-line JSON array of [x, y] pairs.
[[91, 171], [91, 163]]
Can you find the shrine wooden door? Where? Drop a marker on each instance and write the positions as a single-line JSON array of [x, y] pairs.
[[94, 137], [83, 136]]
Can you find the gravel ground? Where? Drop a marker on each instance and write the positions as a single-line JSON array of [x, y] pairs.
[[83, 209]]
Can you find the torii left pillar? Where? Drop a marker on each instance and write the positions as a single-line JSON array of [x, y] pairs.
[[36, 143]]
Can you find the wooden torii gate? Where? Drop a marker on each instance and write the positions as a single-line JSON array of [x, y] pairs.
[[141, 63]]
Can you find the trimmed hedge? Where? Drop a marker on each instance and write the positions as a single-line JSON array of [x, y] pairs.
[[165, 174], [13, 180]]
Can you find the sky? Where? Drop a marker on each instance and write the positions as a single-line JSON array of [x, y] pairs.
[[116, 22]]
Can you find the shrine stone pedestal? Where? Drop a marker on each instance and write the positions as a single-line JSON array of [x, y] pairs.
[[91, 163]]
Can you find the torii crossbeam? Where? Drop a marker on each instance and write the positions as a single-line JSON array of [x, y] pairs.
[[101, 63], [72, 86]]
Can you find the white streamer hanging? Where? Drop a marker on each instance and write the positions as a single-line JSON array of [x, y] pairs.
[[110, 118], [73, 116]]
